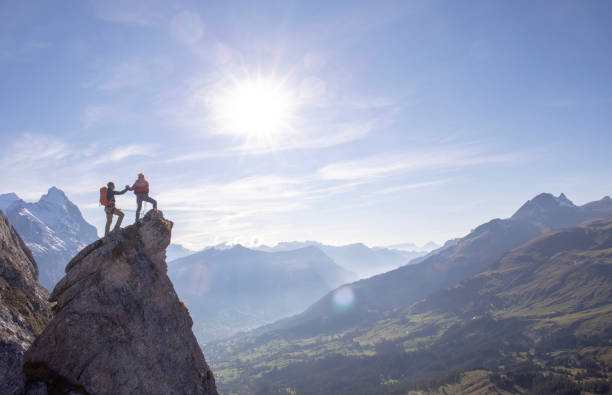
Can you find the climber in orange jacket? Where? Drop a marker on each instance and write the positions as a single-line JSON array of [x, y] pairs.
[[107, 199], [141, 190]]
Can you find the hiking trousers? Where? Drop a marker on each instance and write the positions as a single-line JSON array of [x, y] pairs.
[[143, 198], [110, 211]]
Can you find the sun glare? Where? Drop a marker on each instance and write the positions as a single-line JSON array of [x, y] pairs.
[[259, 109]]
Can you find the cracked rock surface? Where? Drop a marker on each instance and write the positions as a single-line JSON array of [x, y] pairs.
[[119, 327], [24, 309]]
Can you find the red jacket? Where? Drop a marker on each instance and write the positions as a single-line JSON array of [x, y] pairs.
[[141, 187]]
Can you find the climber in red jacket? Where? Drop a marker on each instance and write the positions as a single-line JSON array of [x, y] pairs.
[[141, 190]]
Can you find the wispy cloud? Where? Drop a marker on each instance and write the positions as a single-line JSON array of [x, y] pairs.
[[238, 207], [29, 146], [437, 158], [32, 162], [131, 150], [224, 210], [342, 134], [247, 198], [416, 185], [337, 134], [236, 195]]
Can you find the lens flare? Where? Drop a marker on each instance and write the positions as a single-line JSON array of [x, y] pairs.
[[343, 299]]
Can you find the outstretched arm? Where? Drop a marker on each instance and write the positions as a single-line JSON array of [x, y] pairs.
[[122, 192]]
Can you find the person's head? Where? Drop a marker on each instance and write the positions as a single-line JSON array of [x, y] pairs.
[[110, 185], [140, 175]]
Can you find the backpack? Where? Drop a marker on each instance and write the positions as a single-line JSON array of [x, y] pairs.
[[103, 200]]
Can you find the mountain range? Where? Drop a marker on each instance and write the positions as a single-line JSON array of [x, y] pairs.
[[341, 337], [357, 257], [254, 287], [469, 255], [53, 228], [519, 305], [234, 289], [412, 247], [505, 308]]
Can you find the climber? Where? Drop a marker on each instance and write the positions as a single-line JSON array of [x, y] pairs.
[[141, 190], [109, 206]]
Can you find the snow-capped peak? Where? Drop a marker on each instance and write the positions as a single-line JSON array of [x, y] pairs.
[[222, 246]]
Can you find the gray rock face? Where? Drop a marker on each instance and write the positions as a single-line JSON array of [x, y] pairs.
[[119, 326], [24, 309]]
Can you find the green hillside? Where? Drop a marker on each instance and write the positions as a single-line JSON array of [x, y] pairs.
[[538, 320]]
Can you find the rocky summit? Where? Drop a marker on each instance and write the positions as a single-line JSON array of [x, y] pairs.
[[119, 327], [24, 310]]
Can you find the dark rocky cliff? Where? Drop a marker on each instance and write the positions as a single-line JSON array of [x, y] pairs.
[[24, 309]]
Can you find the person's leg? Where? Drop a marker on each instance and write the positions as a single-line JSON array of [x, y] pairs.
[[152, 201], [119, 214], [109, 219], [139, 207]]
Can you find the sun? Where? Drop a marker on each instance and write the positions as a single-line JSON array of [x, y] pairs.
[[259, 109]]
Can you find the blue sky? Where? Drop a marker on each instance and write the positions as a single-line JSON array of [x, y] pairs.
[[382, 122]]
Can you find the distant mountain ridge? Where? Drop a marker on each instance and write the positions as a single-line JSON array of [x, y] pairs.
[[176, 251], [53, 228], [538, 320], [357, 257], [470, 254], [376, 298], [427, 247], [563, 272], [238, 288]]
